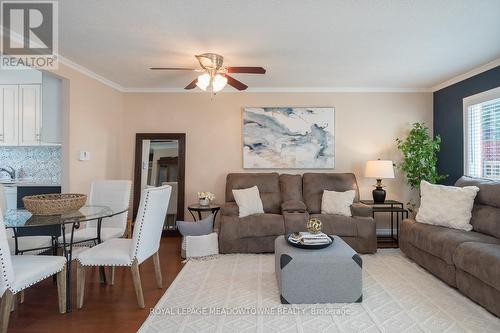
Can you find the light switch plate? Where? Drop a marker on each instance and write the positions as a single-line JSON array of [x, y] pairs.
[[84, 155]]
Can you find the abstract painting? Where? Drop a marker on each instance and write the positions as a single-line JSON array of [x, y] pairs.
[[289, 138]]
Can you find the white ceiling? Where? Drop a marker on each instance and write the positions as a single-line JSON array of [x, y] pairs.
[[302, 44]]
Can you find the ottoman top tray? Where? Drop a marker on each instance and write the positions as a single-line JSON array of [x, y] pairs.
[[310, 246]]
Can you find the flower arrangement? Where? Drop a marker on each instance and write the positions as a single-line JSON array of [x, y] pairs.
[[206, 195], [205, 198]]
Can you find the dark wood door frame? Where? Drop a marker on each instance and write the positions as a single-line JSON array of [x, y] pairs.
[[181, 139]]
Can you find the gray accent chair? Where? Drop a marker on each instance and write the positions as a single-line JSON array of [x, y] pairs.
[[466, 260]]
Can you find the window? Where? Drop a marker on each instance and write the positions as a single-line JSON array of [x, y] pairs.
[[482, 135]]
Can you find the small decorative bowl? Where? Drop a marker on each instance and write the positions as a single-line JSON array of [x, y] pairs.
[[54, 204], [314, 225]]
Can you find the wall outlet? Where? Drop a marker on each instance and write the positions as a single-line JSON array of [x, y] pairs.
[[84, 155]]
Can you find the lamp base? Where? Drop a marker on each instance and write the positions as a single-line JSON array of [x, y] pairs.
[[378, 193]]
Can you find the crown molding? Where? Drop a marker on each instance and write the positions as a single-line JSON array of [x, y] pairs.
[[84, 70], [464, 76], [71, 64], [283, 90]]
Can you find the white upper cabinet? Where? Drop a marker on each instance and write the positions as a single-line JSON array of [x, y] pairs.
[[30, 115], [9, 115], [20, 115], [52, 105]]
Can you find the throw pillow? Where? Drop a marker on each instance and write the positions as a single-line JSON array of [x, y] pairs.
[[202, 246], [248, 201], [446, 206], [338, 203], [198, 228]]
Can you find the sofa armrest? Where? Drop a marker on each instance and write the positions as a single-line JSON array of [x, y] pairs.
[[367, 234], [361, 210], [230, 209], [293, 206]]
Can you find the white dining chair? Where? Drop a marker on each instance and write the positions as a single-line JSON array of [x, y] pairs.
[[20, 272], [23, 243], [145, 243], [114, 194]]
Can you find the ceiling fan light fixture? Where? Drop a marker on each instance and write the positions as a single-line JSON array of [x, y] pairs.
[[218, 83], [203, 81]]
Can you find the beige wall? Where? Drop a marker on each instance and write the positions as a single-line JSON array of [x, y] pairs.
[[93, 119], [367, 125]]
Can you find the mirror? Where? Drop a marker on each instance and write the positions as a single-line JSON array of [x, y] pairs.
[[160, 160]]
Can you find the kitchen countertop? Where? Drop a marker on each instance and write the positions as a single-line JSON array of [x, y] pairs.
[[28, 182]]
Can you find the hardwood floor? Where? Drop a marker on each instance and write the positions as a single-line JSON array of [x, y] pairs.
[[107, 308]]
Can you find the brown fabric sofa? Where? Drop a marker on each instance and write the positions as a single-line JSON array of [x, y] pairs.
[[289, 201], [467, 260]]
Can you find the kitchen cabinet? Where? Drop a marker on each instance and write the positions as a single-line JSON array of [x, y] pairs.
[[30, 115], [52, 106], [9, 115], [21, 115], [10, 197]]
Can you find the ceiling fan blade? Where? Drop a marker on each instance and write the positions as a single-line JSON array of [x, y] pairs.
[[235, 83], [171, 69], [191, 85], [247, 70]]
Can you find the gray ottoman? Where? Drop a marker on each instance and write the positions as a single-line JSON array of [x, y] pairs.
[[330, 275]]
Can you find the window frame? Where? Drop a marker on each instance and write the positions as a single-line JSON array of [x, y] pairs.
[[482, 97]]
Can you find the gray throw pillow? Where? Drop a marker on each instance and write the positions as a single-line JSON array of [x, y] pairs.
[[199, 228]]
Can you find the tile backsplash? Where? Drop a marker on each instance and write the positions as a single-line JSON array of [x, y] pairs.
[[36, 163]]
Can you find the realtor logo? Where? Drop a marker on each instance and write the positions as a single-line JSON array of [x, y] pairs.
[[29, 34]]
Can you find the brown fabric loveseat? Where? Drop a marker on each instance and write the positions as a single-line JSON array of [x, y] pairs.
[[466, 260], [289, 201]]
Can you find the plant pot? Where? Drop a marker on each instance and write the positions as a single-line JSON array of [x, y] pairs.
[[204, 202]]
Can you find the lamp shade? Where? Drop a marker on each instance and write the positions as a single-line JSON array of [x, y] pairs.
[[379, 169]]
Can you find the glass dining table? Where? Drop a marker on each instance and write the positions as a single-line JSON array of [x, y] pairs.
[[59, 227]]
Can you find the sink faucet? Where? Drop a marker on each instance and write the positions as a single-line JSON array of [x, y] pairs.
[[11, 172]]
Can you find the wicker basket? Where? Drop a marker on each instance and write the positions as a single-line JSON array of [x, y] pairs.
[[54, 204]]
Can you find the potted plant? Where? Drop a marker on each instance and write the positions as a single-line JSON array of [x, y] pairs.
[[205, 198], [419, 162]]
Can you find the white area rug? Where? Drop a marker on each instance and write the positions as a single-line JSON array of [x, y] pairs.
[[398, 296]]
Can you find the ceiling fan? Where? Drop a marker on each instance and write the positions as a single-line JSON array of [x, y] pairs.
[[215, 74]]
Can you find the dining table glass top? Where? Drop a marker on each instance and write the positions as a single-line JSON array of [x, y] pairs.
[[16, 218]]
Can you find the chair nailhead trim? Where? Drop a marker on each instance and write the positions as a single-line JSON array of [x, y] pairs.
[[35, 282], [142, 224], [4, 271], [138, 238]]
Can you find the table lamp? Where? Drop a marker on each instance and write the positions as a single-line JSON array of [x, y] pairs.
[[379, 169]]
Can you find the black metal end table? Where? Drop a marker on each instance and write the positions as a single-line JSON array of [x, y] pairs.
[[212, 208], [389, 206]]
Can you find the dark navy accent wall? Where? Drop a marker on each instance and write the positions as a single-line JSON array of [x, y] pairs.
[[448, 120]]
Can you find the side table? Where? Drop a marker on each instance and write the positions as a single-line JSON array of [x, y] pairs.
[[395, 208], [197, 208]]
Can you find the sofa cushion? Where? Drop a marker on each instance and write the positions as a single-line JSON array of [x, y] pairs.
[[441, 241], [291, 187], [293, 206], [480, 260], [447, 206], [268, 184], [486, 212], [315, 183], [486, 220], [337, 225], [489, 190], [340, 203], [260, 225], [248, 201]]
